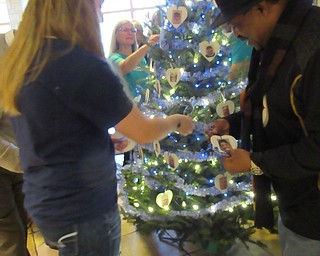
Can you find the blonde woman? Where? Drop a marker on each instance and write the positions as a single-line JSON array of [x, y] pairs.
[[63, 97], [126, 55]]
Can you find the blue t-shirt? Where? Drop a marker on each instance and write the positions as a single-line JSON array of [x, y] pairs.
[[66, 152], [135, 78]]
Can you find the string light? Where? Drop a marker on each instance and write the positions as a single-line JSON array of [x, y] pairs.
[[136, 205], [195, 207]]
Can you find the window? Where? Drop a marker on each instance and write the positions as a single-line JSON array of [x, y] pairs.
[[114, 11], [4, 17]]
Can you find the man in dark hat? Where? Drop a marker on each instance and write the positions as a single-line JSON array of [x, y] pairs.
[[281, 111]]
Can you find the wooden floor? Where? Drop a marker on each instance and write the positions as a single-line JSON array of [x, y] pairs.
[[133, 244]]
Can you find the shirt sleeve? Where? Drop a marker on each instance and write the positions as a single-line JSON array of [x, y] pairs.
[[99, 96], [115, 58]]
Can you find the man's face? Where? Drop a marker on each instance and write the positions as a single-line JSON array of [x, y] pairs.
[[256, 25], [224, 146]]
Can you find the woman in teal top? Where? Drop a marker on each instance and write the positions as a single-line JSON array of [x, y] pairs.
[[129, 59], [240, 58], [136, 77]]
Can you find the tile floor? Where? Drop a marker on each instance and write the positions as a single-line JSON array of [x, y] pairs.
[[134, 244]]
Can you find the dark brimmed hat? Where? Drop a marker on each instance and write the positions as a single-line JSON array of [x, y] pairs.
[[232, 8]]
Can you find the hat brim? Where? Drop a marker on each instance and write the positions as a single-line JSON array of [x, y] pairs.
[[221, 19]]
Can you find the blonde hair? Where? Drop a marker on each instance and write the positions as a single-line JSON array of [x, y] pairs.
[[75, 21], [114, 45], [137, 24]]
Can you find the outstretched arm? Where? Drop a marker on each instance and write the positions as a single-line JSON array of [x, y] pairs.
[[144, 130]]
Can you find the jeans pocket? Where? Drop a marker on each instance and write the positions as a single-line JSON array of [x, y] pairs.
[[66, 244]]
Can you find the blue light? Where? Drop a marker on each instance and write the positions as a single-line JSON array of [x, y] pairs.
[[197, 85], [211, 180], [208, 85]]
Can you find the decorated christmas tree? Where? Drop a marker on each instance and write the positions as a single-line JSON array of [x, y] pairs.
[[178, 185]]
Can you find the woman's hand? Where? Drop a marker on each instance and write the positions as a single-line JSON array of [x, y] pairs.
[[153, 39], [185, 124]]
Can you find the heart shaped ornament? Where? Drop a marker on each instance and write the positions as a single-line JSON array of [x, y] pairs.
[[163, 200], [157, 148], [137, 99], [209, 50], [157, 86], [146, 98], [265, 111], [177, 15], [225, 108], [173, 76], [140, 152], [171, 159], [221, 181], [222, 143]]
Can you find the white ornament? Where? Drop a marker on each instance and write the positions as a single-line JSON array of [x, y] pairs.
[[146, 99], [171, 159], [157, 148], [209, 50], [265, 111], [221, 181], [225, 108], [163, 200], [140, 152], [137, 99], [173, 76], [157, 86], [177, 15], [223, 143]]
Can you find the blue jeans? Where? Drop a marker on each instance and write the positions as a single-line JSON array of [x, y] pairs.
[[98, 237], [293, 244]]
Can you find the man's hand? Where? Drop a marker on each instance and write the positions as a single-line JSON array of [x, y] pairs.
[[238, 161], [218, 127]]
